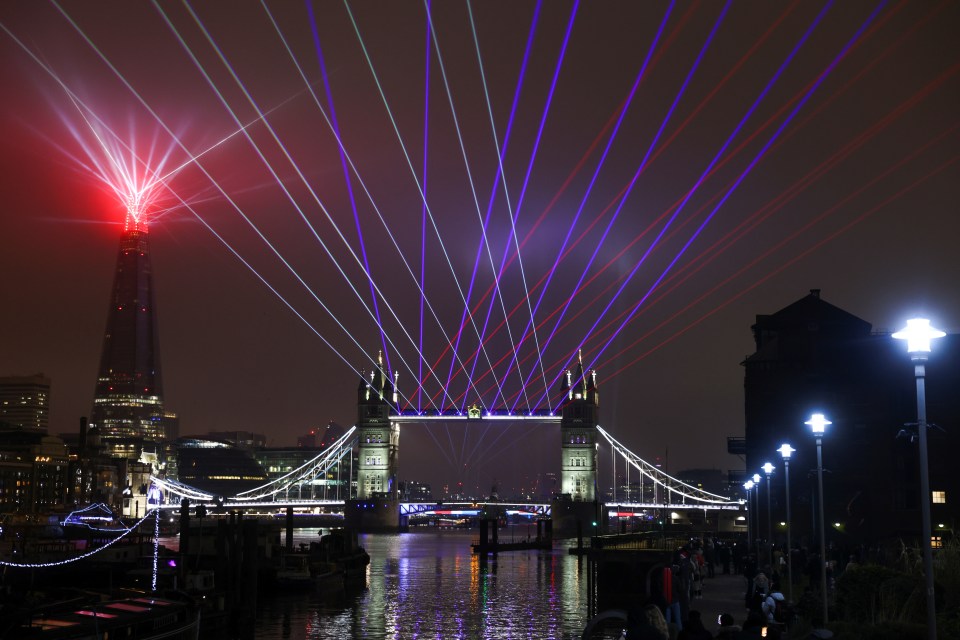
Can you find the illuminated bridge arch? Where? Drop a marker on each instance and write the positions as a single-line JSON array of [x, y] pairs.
[[292, 482], [674, 489]]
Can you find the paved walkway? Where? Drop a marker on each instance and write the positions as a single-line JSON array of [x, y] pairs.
[[721, 594]]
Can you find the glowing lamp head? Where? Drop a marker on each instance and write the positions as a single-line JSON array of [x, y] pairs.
[[748, 485], [785, 451], [817, 423], [756, 478], [767, 468], [918, 333]]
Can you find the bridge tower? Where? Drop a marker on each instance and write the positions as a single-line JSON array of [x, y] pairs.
[[577, 505], [376, 507]]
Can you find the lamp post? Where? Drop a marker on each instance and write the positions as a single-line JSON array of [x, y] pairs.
[[756, 502], [918, 334], [785, 451], [768, 470], [748, 485], [817, 424]]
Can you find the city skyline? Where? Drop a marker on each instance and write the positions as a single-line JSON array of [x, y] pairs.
[[848, 188]]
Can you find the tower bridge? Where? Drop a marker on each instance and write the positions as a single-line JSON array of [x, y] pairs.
[[373, 447]]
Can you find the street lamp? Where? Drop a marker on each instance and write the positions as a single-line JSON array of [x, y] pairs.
[[748, 485], [756, 502], [918, 334], [785, 451], [768, 470], [817, 424]]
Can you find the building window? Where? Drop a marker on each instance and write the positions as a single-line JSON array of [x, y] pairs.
[[939, 497], [936, 542]]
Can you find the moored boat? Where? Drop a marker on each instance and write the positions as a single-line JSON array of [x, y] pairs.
[[294, 572], [342, 549], [94, 521], [138, 617]]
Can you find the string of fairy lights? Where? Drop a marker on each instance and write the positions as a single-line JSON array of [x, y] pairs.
[[134, 528], [155, 513], [156, 549]]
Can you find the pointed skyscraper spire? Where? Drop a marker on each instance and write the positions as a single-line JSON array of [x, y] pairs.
[[128, 401]]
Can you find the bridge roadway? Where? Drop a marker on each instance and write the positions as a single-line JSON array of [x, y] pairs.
[[465, 508], [275, 494]]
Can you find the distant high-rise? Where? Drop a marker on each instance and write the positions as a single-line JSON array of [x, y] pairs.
[[128, 403], [25, 402]]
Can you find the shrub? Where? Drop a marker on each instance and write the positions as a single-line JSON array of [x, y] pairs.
[[894, 631], [946, 563], [871, 594]]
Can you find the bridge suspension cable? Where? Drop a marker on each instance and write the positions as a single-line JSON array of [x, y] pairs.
[[665, 480], [183, 490], [305, 472]]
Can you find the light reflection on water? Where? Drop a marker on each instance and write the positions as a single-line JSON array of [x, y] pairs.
[[429, 585]]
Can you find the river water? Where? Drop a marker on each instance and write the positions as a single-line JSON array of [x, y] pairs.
[[430, 585]]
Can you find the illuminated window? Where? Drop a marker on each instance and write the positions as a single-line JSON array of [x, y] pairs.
[[936, 542], [940, 497]]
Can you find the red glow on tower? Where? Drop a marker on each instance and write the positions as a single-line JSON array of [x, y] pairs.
[[135, 219]]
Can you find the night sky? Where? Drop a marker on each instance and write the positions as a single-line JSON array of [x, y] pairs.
[[768, 148]]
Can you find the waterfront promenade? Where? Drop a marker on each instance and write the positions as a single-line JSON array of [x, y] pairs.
[[723, 593]]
